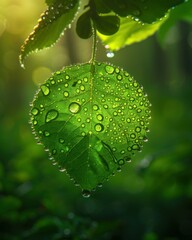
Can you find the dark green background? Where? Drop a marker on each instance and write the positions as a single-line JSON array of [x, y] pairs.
[[151, 198]]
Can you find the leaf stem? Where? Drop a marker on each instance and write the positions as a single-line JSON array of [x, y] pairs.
[[94, 46]]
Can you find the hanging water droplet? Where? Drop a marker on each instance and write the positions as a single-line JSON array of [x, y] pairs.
[[74, 107], [127, 159], [145, 139], [99, 127], [51, 115], [45, 90], [110, 54], [86, 193], [61, 169]]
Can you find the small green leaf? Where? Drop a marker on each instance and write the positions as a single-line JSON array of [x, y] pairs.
[[182, 12], [130, 32], [101, 6], [147, 11], [84, 26], [90, 122], [50, 27], [107, 25]]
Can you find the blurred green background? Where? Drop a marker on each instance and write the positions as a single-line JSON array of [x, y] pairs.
[[151, 198]]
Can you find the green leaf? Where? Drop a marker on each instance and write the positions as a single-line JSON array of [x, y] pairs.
[[182, 12], [84, 26], [130, 32], [101, 6], [91, 123], [50, 27], [107, 25], [147, 11]]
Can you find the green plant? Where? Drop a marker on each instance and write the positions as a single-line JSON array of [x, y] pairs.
[[93, 117]]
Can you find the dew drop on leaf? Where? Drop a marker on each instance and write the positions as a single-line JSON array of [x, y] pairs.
[[74, 107], [95, 107], [100, 117], [35, 122], [35, 111], [99, 127], [121, 162], [51, 115], [46, 133], [45, 90], [109, 69], [66, 94]]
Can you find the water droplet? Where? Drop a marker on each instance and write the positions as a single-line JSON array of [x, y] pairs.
[[54, 151], [138, 129], [117, 70], [121, 162], [136, 147], [119, 169], [86, 193], [74, 107], [45, 90], [51, 115], [66, 94], [95, 107], [109, 69], [85, 79], [110, 54], [35, 111], [61, 140], [145, 139], [62, 169], [119, 77], [35, 122], [99, 127], [105, 106], [127, 159], [46, 133], [82, 88], [52, 82], [100, 117], [132, 135], [99, 185]]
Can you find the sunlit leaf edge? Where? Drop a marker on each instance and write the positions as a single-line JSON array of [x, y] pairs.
[[130, 32], [60, 24]]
